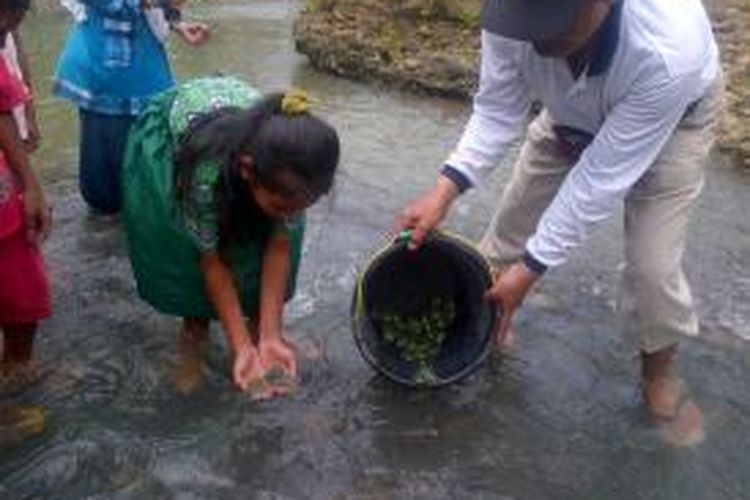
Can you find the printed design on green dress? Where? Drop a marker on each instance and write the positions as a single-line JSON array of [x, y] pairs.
[[203, 95], [201, 213], [193, 99]]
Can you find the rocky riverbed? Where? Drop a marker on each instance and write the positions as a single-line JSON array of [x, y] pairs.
[[432, 46]]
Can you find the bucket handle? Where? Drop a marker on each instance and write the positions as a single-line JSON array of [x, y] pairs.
[[404, 236]]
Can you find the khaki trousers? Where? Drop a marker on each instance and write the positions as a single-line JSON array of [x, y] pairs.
[[654, 298]]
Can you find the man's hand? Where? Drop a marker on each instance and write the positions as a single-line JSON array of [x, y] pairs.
[[193, 33], [508, 291], [426, 212]]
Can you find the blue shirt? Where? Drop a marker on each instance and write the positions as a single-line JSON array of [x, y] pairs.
[[112, 62]]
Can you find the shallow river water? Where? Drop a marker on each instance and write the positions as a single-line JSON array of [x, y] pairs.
[[558, 418]]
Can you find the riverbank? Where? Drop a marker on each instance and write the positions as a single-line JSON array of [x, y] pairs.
[[732, 27], [432, 46], [416, 45]]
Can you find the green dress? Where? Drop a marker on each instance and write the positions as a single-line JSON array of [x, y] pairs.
[[164, 242]]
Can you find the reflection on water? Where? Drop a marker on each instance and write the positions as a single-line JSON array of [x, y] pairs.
[[559, 418]]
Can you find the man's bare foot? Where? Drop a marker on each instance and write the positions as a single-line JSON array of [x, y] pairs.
[[190, 370], [679, 418]]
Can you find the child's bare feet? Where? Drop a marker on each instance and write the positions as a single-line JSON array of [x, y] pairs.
[[17, 377], [190, 369], [20, 422], [679, 418]]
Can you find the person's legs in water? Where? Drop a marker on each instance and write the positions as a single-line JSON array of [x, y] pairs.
[[190, 368], [17, 371], [654, 297], [537, 175], [668, 399], [19, 343], [24, 300], [102, 150]]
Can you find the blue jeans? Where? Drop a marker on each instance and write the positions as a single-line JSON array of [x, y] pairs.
[[103, 139]]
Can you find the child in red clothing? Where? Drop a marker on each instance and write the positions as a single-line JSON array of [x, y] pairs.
[[24, 221]]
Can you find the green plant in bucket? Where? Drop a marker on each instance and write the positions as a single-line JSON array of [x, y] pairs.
[[418, 338]]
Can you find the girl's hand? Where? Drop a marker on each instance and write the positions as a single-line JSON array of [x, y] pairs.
[[508, 290], [38, 214], [247, 368], [193, 33], [274, 352]]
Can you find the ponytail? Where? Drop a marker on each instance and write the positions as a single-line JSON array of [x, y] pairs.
[[293, 152]]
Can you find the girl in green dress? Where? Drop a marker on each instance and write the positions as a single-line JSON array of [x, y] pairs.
[[216, 181]]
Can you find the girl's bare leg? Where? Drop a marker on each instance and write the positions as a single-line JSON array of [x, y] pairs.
[[17, 372], [190, 369]]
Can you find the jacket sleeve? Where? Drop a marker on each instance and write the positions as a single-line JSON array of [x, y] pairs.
[[628, 143], [501, 106]]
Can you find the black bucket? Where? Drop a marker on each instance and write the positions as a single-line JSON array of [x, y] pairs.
[[420, 317]]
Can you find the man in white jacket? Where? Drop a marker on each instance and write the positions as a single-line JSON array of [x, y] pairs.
[[630, 90]]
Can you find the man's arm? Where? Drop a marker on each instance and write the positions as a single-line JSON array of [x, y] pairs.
[[501, 106], [630, 140], [500, 109]]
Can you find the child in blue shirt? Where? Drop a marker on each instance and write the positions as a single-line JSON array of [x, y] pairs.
[[113, 61]]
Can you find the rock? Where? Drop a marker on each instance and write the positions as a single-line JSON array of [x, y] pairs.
[[393, 43]]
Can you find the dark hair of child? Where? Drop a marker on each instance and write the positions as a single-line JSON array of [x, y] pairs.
[[293, 154], [15, 5]]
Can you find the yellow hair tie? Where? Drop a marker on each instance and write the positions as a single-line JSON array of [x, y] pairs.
[[295, 102]]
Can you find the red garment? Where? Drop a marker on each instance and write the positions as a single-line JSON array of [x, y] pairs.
[[24, 291]]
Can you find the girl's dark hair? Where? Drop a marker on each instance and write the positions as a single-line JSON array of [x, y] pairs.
[[15, 4], [294, 155]]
